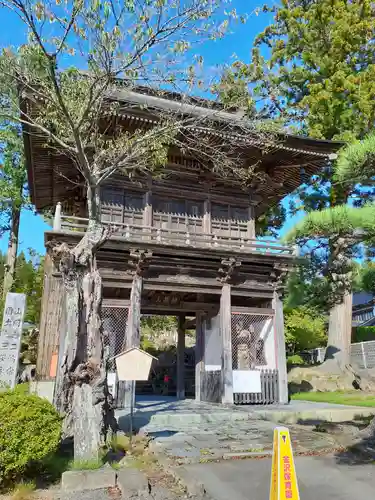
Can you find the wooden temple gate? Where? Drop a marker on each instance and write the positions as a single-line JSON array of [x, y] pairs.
[[184, 244]]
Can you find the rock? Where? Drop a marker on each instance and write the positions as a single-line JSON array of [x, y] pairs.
[[73, 480], [132, 483], [302, 379]]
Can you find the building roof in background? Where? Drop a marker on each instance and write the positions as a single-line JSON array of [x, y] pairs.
[[362, 298]]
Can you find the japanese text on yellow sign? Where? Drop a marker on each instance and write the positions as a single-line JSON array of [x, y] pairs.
[[283, 475]]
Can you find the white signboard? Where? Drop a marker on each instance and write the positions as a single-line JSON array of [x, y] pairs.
[[245, 381], [212, 368], [134, 364], [10, 338]]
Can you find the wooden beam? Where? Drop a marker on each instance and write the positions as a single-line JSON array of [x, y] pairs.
[[280, 348], [190, 324], [253, 310], [123, 244], [226, 339], [180, 389]]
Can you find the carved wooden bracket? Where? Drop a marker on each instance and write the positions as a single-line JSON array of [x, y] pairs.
[[278, 275], [228, 270], [139, 261]]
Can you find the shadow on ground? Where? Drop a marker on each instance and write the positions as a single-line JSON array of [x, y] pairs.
[[362, 451], [145, 409], [355, 439]]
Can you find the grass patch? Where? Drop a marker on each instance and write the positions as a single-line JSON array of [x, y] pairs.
[[354, 398], [144, 462], [138, 445], [86, 464], [23, 491]]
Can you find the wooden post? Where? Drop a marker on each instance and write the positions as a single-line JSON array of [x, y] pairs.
[[207, 217], [133, 334], [57, 218], [199, 356], [51, 317], [251, 223], [226, 339], [277, 305], [147, 213], [180, 389]]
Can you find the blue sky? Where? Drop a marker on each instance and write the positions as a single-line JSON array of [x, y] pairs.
[[215, 54]]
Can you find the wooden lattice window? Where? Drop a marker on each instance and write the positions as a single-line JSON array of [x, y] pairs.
[[178, 206], [229, 212], [119, 205]]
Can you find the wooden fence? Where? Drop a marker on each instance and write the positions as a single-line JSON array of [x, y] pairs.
[[269, 394]]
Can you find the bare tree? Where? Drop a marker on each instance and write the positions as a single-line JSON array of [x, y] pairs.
[[117, 44]]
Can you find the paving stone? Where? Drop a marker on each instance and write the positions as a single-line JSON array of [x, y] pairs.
[[246, 447], [161, 493], [184, 453], [72, 480], [230, 456], [99, 494], [195, 488], [132, 483]]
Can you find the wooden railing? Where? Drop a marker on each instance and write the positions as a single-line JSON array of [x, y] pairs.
[[174, 237]]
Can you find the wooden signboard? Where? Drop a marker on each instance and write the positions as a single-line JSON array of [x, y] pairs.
[[134, 364], [283, 474], [10, 339]]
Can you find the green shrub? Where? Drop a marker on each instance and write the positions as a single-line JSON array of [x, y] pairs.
[[30, 430], [296, 359], [363, 333]]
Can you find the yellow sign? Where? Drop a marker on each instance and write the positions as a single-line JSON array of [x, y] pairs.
[[283, 475]]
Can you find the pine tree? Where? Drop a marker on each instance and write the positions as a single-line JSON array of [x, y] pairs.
[[319, 78], [347, 226]]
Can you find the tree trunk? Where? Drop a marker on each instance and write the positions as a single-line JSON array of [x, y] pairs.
[[337, 356], [81, 391], [10, 266]]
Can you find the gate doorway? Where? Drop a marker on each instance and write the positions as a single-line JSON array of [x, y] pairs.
[[160, 337]]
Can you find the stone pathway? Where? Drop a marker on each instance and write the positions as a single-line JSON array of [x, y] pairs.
[[239, 439], [191, 432], [168, 411]]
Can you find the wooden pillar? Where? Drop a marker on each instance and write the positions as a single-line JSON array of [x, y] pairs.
[[180, 389], [133, 334], [226, 339], [199, 356], [148, 212], [57, 218], [51, 317], [277, 305], [207, 216], [251, 223]]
